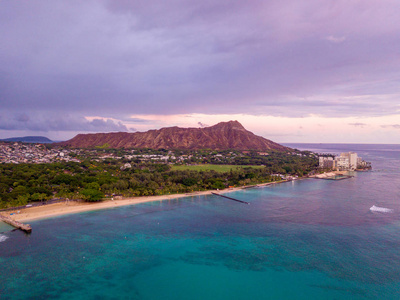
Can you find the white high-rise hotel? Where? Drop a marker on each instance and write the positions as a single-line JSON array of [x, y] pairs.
[[347, 161], [352, 159]]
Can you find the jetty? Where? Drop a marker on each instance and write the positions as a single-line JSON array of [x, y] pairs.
[[339, 177], [16, 224], [230, 198]]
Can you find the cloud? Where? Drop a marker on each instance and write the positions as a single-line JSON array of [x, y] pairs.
[[22, 118], [102, 125], [358, 124], [118, 58], [46, 123], [395, 126], [202, 125], [336, 39], [136, 120]]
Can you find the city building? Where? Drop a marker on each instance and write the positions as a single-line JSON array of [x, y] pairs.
[[352, 160], [327, 162], [347, 161]]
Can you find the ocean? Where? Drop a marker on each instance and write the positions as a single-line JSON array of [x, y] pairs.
[[306, 239]]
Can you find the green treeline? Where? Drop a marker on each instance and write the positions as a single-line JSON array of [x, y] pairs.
[[22, 183], [93, 180]]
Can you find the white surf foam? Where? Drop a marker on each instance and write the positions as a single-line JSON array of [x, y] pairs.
[[3, 238], [380, 209]]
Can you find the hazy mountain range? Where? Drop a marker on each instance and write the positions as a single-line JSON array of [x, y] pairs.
[[28, 139]]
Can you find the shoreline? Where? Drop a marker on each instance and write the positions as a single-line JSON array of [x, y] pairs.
[[66, 208], [327, 175]]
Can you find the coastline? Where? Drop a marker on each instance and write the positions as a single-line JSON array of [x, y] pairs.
[[327, 175], [65, 208]]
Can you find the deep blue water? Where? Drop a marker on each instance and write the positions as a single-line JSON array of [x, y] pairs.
[[308, 239]]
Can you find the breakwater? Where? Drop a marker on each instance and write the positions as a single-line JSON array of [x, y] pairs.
[[230, 198], [16, 224]]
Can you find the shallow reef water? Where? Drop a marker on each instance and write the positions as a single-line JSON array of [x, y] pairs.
[[306, 239]]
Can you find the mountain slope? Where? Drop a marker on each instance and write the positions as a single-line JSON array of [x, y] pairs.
[[29, 139], [222, 136]]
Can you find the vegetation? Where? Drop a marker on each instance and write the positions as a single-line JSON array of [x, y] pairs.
[[209, 167], [93, 178]]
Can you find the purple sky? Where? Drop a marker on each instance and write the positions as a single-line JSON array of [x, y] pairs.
[[292, 71]]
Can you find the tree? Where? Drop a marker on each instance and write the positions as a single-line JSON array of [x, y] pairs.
[[218, 185], [21, 200], [189, 181], [38, 196], [93, 186], [92, 195]]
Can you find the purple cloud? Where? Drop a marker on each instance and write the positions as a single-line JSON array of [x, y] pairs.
[[362, 125], [395, 126], [117, 58], [50, 122], [202, 125], [336, 39]]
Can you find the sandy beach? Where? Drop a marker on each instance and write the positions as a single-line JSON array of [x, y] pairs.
[[72, 207]]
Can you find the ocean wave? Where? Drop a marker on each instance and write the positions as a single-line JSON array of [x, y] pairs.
[[380, 209], [3, 238]]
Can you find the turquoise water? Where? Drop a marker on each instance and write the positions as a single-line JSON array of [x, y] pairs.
[[309, 239]]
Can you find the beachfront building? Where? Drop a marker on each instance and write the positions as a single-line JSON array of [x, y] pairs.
[[362, 164], [342, 163], [327, 162], [347, 161], [352, 159]]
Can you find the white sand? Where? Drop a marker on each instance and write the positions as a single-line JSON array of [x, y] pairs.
[[64, 208]]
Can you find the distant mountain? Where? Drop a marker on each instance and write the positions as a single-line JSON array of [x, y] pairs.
[[28, 139], [222, 136]]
